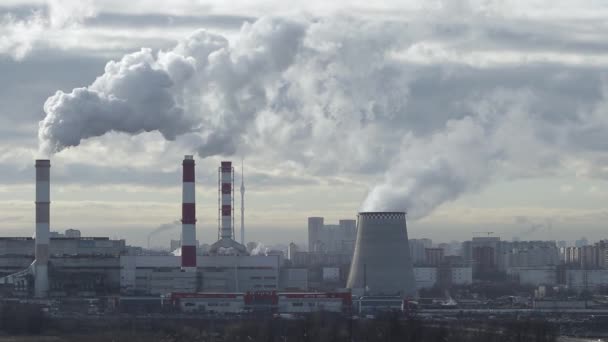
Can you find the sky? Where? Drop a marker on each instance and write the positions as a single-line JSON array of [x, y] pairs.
[[472, 116]]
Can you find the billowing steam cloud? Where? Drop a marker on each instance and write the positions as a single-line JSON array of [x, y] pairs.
[[344, 96]]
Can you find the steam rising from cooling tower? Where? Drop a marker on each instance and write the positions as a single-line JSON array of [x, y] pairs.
[[306, 93]]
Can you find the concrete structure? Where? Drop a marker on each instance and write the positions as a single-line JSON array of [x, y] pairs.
[[268, 301], [381, 263], [72, 233], [144, 275], [536, 276], [587, 257], [209, 302], [315, 228], [427, 277], [226, 245], [43, 202], [417, 250], [294, 279], [461, 275], [326, 238], [331, 274], [292, 249], [188, 240], [580, 279], [433, 256], [532, 254], [242, 204]]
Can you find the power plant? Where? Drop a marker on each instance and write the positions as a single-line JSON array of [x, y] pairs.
[[381, 263], [55, 266]]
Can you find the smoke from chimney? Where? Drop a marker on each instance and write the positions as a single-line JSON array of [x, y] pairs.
[[335, 96]]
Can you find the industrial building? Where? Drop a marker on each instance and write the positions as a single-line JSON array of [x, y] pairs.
[[56, 265], [381, 262], [271, 301]]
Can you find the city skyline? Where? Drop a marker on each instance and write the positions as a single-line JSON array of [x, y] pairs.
[[483, 117]]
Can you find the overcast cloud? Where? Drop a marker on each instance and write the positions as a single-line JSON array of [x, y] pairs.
[[429, 107]]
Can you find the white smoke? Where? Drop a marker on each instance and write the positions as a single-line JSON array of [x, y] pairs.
[[19, 36], [332, 96], [259, 249]]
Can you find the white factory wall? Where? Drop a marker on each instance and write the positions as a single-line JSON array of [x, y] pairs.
[[331, 274], [425, 277], [216, 273], [462, 275], [294, 279], [534, 275], [305, 305], [216, 305], [590, 279]]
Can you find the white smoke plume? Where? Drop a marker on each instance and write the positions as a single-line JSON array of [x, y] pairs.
[[335, 96], [19, 36], [259, 249]]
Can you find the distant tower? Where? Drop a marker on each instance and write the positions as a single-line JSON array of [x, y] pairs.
[[188, 248], [242, 204], [226, 245]]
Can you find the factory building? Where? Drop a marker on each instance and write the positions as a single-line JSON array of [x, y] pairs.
[[270, 301], [151, 275]]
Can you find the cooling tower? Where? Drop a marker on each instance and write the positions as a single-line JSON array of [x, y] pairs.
[[381, 263]]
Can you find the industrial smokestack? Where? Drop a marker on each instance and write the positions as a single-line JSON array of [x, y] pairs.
[[381, 263], [242, 203], [226, 245], [226, 180], [188, 249], [43, 202]]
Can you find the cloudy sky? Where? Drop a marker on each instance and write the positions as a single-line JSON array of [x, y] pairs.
[[471, 115]]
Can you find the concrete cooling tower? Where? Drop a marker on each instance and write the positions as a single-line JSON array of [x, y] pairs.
[[381, 262]]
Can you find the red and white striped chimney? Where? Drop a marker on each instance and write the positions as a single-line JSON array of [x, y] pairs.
[[226, 173], [43, 202], [188, 250]]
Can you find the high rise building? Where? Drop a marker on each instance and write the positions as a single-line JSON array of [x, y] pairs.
[[417, 249], [433, 256], [315, 228], [331, 238]]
